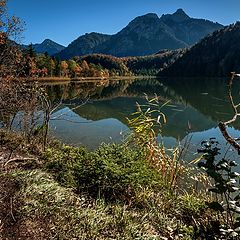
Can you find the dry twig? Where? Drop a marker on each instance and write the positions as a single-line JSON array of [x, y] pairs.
[[223, 125]]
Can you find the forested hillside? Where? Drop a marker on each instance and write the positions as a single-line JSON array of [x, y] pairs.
[[216, 55]]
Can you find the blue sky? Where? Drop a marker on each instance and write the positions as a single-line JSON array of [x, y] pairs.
[[65, 20]]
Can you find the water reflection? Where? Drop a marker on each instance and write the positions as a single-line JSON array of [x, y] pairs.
[[197, 105]]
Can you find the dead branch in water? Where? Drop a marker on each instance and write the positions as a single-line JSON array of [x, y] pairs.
[[223, 125]]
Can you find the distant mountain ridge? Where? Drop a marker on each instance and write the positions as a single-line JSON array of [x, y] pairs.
[[48, 46], [86, 44], [215, 55], [144, 35]]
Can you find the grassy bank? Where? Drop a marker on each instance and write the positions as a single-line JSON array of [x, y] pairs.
[[111, 193]]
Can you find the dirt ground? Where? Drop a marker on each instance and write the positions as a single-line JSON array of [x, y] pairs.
[[13, 224]]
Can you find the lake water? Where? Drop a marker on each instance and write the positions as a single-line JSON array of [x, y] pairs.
[[95, 112]]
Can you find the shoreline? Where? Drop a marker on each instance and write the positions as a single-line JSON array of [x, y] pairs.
[[85, 79]]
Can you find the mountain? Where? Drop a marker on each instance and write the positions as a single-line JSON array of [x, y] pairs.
[[189, 30], [47, 45], [86, 44], [144, 35], [215, 55]]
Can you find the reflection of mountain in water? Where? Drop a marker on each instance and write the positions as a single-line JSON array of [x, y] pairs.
[[178, 117], [197, 105], [208, 96]]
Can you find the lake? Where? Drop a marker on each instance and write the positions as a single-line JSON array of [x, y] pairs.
[[94, 112]]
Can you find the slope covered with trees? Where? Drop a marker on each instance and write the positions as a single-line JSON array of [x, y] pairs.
[[216, 55], [152, 64], [96, 65], [132, 66]]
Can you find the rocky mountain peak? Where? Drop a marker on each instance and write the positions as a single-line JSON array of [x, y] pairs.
[[47, 41], [48, 46], [147, 18], [150, 15], [178, 16], [180, 12]]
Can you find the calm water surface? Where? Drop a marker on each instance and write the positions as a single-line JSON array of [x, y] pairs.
[[196, 106]]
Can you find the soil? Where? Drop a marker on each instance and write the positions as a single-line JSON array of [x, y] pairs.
[[13, 224]]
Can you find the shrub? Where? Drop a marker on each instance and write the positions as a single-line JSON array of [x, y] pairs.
[[113, 172], [225, 187]]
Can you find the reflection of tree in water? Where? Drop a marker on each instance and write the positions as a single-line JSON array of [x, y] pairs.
[[109, 89], [208, 96], [117, 99]]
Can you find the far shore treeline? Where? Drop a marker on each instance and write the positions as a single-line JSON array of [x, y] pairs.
[[96, 65]]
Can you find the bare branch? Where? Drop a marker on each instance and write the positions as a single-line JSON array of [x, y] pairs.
[[223, 125], [223, 128], [19, 159], [71, 109]]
